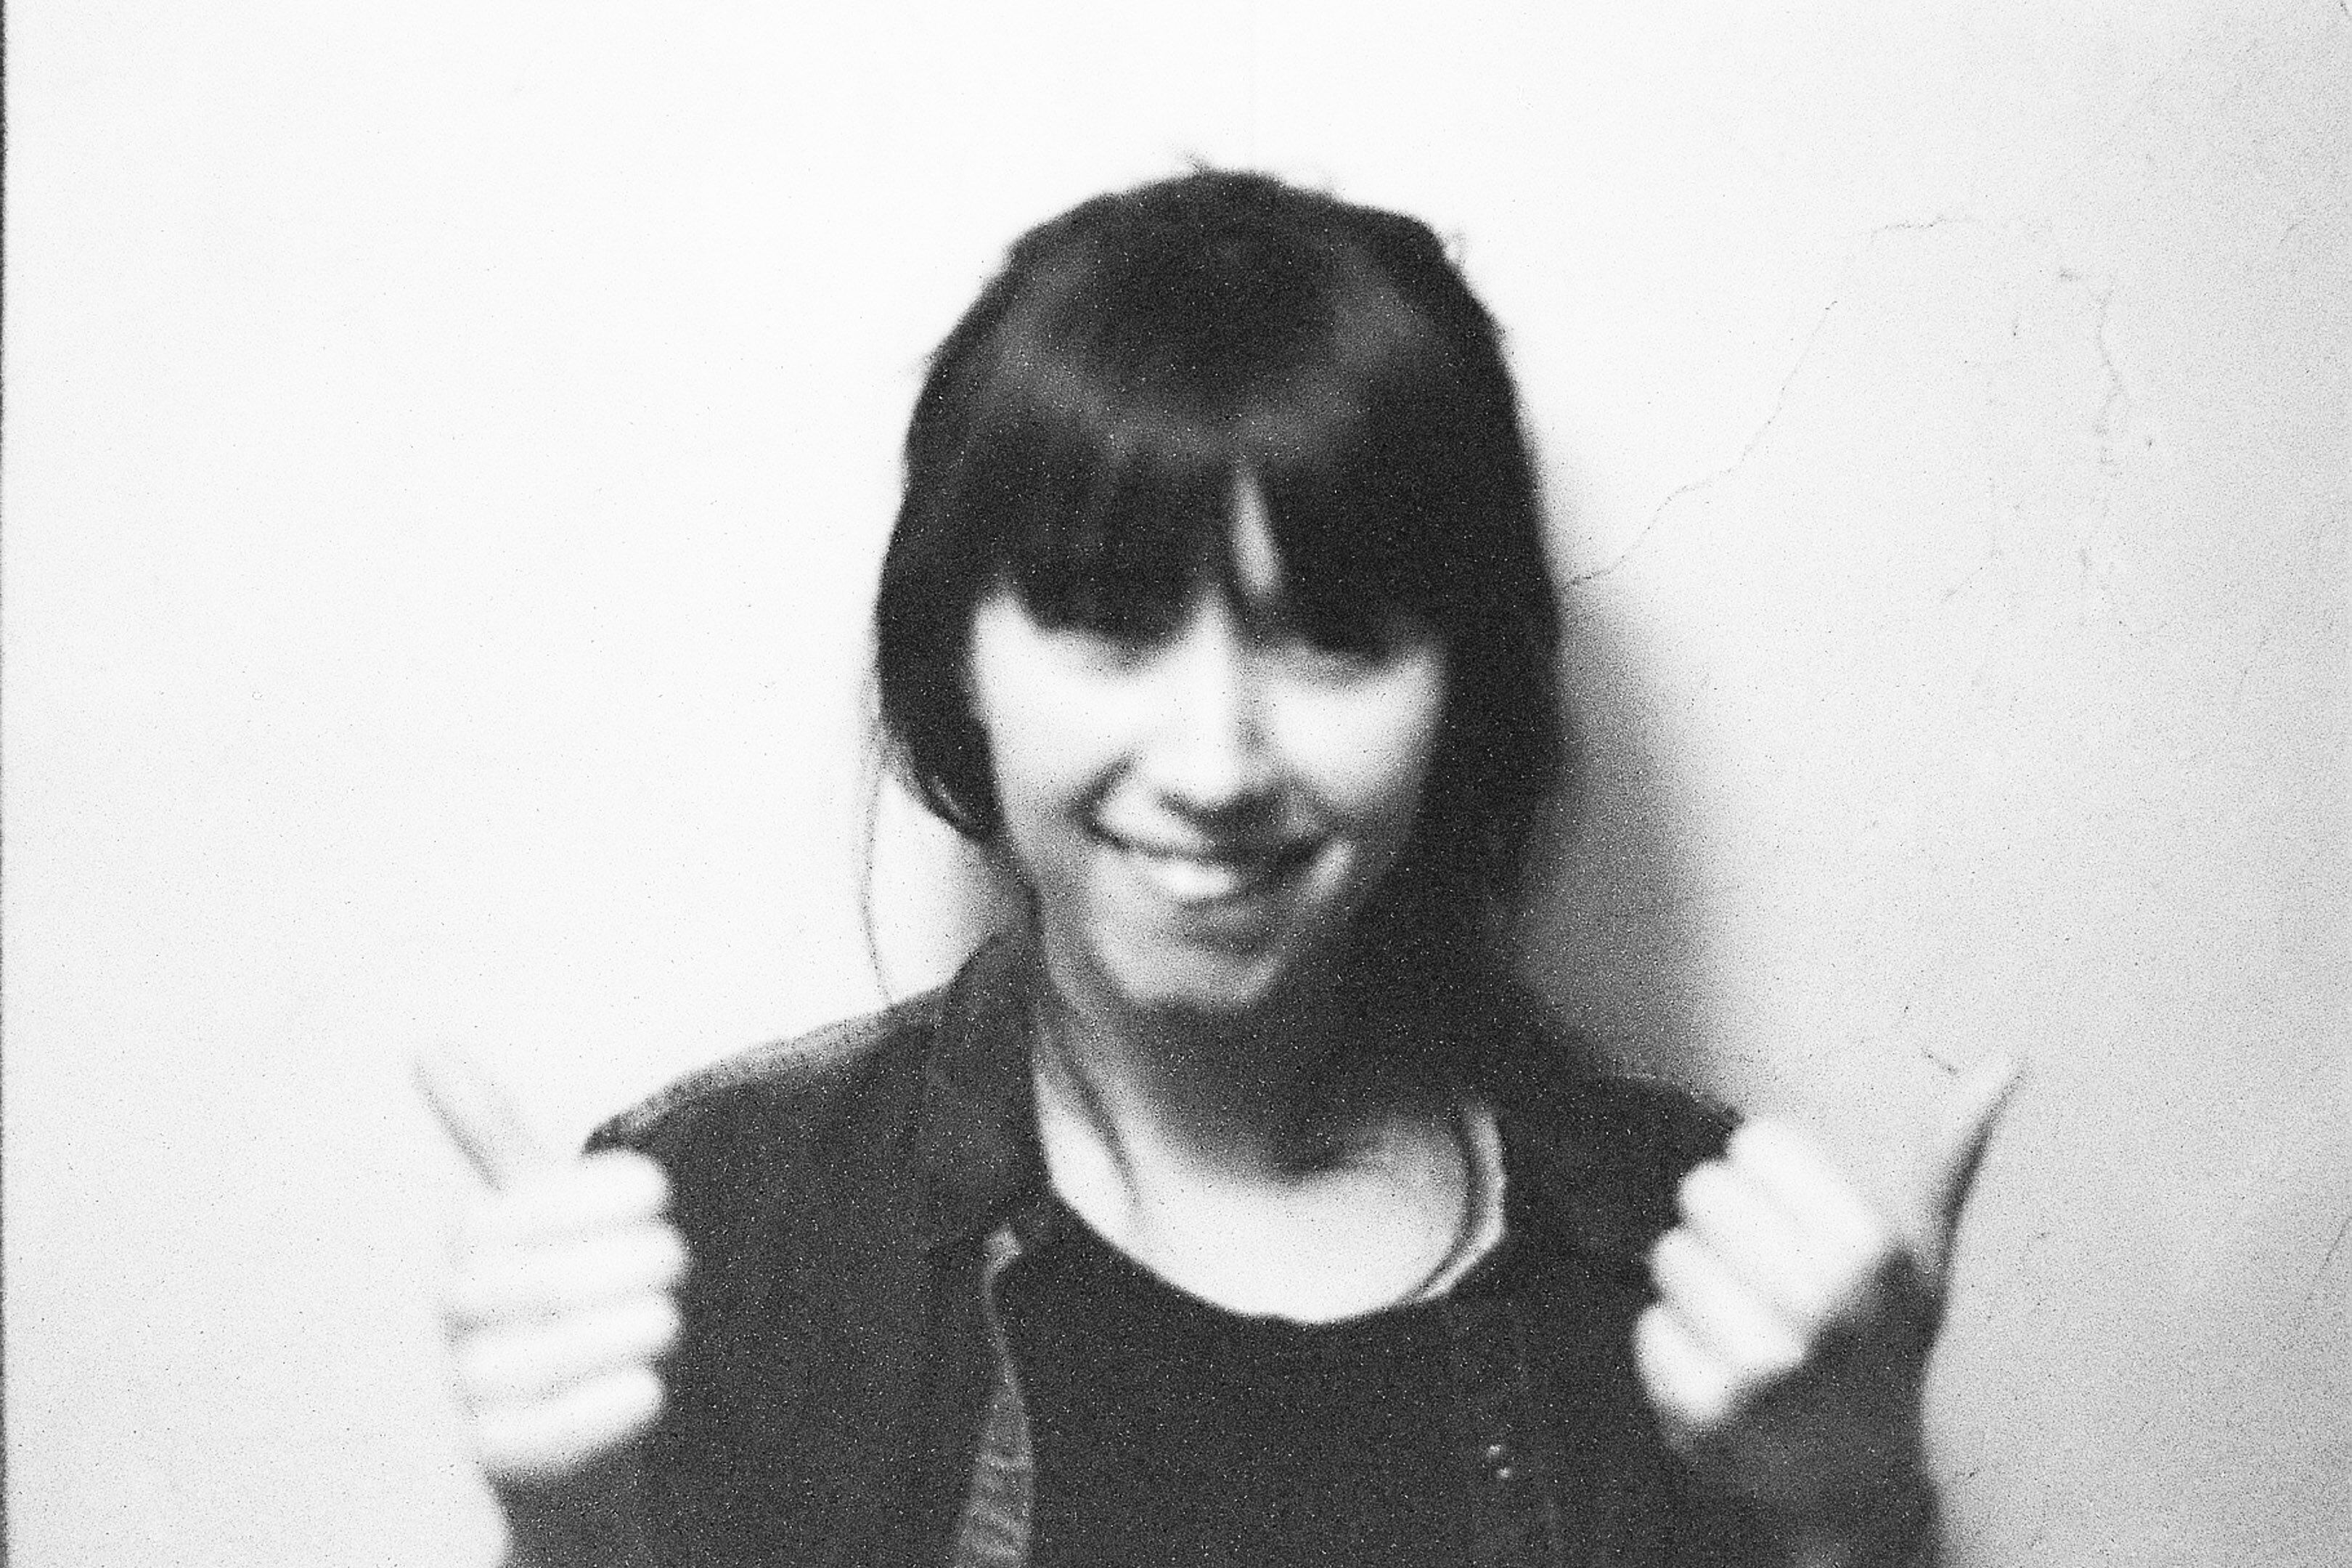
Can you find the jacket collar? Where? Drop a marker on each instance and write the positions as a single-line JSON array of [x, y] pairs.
[[1596, 1155], [979, 1135]]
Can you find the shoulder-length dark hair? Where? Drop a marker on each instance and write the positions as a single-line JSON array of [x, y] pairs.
[[1080, 435]]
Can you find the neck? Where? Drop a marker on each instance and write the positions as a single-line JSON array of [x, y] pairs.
[[1281, 1091]]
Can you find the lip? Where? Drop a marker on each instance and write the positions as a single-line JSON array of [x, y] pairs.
[[1196, 876]]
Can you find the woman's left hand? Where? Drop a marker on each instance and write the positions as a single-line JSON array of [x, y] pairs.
[[1787, 1348]]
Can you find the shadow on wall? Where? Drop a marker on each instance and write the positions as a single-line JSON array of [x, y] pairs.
[[1611, 935]]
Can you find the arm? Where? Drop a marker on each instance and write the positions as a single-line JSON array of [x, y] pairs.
[[1787, 1351], [558, 1308]]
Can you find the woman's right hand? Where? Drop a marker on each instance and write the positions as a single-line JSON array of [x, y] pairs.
[[557, 1311]]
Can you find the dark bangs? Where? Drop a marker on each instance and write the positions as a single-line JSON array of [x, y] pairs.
[[1135, 383]]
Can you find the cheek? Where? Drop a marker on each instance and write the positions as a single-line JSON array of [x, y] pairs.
[[1020, 699], [1048, 751], [1030, 789], [1369, 756], [1029, 844], [1048, 760], [1406, 765]]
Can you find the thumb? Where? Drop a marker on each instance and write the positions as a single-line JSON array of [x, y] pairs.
[[1956, 1152], [479, 1114]]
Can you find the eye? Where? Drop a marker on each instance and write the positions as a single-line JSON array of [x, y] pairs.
[[1348, 635], [1132, 625], [1127, 622]]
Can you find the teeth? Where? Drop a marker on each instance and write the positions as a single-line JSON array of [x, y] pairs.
[[1192, 880], [1197, 879]]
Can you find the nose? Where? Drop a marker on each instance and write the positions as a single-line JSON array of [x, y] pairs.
[[1212, 755]]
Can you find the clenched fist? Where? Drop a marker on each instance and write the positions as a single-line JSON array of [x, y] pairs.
[[1788, 1349], [557, 1311]]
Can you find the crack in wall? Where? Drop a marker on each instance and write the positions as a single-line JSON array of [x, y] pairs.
[[2106, 424], [2319, 1275], [2117, 393], [1779, 399]]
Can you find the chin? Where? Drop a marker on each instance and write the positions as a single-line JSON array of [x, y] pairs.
[[1205, 987]]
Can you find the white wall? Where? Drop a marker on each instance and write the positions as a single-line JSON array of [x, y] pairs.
[[447, 449]]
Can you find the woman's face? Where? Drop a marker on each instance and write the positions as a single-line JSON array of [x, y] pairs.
[[1201, 813]]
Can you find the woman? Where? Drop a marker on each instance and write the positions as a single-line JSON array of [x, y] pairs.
[[1234, 1209]]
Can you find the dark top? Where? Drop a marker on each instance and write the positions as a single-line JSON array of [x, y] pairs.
[[1170, 1432], [866, 1207]]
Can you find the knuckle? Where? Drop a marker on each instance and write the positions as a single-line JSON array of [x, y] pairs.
[[633, 1178], [484, 1369], [1707, 1405], [668, 1258], [1650, 1335], [1825, 1314], [470, 1303], [453, 1303], [1701, 1185], [1756, 1138], [1873, 1243], [513, 1446], [658, 1183], [1666, 1261], [666, 1324], [1858, 1281], [639, 1331], [638, 1397], [1774, 1362]]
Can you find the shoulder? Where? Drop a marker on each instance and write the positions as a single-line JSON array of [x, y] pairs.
[[1638, 1119], [761, 1119], [1605, 1151], [853, 1118], [1561, 1090], [783, 1076], [798, 1183]]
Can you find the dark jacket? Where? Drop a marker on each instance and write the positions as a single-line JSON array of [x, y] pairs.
[[839, 1193]]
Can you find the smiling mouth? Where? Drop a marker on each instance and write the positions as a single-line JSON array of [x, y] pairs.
[[1193, 878]]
